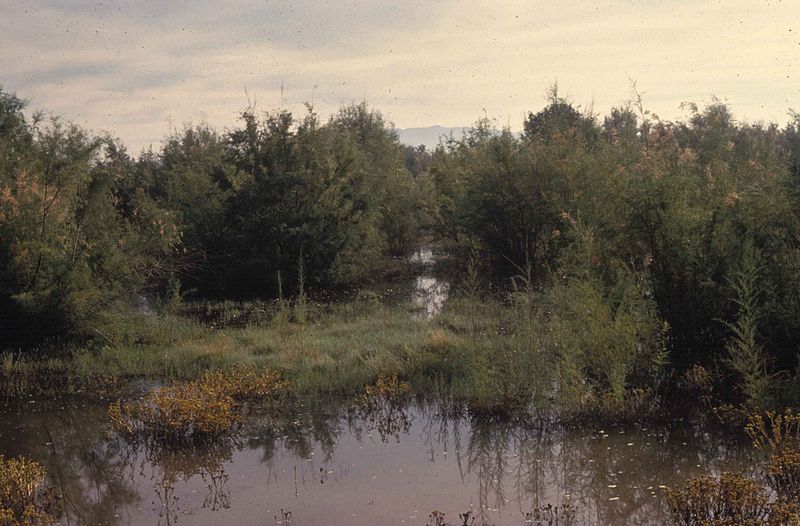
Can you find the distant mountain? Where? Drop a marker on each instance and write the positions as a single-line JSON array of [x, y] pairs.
[[428, 136]]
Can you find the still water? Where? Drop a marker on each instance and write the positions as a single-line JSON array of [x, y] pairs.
[[430, 292], [340, 466]]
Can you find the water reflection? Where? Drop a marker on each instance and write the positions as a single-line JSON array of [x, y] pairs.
[[430, 292], [342, 465], [168, 469]]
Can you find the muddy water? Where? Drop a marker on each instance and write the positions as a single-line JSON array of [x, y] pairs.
[[343, 467]]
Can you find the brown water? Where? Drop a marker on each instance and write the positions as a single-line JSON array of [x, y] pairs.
[[338, 466]]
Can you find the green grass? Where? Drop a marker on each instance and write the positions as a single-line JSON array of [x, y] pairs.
[[497, 356], [340, 349]]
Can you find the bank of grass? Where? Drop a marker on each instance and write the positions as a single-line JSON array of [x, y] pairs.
[[498, 356], [337, 351]]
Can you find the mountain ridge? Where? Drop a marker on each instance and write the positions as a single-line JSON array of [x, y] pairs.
[[429, 136]]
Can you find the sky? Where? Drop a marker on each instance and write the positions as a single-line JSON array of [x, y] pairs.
[[141, 69]]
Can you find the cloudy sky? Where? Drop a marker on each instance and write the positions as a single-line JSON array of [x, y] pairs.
[[141, 68]]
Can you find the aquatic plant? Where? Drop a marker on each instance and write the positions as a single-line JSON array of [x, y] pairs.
[[197, 411], [697, 385], [436, 518], [389, 388], [467, 518], [735, 499], [176, 414], [782, 472], [286, 517], [549, 515], [778, 433], [732, 417], [732, 499], [774, 431], [25, 498]]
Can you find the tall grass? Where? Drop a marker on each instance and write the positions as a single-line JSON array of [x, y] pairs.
[[500, 354], [746, 357]]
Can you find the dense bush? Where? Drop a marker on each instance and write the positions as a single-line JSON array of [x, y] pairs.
[[85, 228], [203, 410], [729, 500], [69, 247], [700, 217], [25, 497], [641, 242]]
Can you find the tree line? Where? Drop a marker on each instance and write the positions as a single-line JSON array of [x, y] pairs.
[[690, 227], [85, 227]]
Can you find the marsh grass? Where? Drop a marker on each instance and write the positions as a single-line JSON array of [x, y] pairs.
[[778, 435], [25, 498], [732, 499], [501, 355], [782, 472], [775, 432], [200, 411]]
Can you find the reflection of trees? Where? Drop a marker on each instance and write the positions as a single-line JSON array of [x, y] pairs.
[[501, 452], [297, 429], [616, 483], [166, 467], [606, 479], [70, 444], [388, 416], [512, 466]]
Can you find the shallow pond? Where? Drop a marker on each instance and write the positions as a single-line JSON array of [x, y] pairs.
[[340, 466]]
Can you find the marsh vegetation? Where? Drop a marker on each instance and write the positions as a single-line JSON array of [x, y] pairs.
[[589, 272]]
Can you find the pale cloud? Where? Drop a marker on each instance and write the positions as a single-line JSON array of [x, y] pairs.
[[139, 68]]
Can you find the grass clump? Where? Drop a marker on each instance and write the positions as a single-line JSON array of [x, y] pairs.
[[774, 431], [732, 499], [25, 498], [176, 414], [389, 388], [202, 410], [782, 472], [779, 434]]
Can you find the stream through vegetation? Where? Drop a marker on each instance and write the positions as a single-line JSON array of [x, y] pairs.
[[417, 462], [430, 291], [314, 462], [261, 325]]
